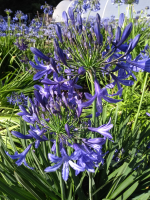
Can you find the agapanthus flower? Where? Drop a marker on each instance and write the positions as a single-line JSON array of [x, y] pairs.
[[17, 99], [32, 115], [88, 158], [99, 95], [65, 160], [48, 9], [35, 133], [8, 11], [125, 1], [21, 157], [21, 44], [103, 130], [18, 14]]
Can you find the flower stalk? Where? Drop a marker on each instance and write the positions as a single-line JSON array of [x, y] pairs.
[[94, 103], [144, 86], [90, 186]]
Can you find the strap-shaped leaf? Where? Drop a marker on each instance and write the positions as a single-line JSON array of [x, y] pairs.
[[124, 185], [26, 186], [39, 181], [12, 193], [144, 196], [128, 192]]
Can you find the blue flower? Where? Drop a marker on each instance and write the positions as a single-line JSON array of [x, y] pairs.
[[99, 36], [99, 95], [142, 64], [71, 15], [34, 133], [21, 157], [39, 54], [32, 115], [103, 130], [88, 158], [65, 18], [65, 160], [125, 34], [58, 32], [121, 20]]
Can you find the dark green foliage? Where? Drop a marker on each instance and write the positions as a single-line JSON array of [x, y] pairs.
[[26, 6]]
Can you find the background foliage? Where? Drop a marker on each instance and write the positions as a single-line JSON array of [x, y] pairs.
[[26, 6]]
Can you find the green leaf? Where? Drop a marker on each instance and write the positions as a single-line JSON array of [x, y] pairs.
[[40, 181], [144, 196], [11, 140], [124, 185], [11, 192], [26, 186], [128, 192]]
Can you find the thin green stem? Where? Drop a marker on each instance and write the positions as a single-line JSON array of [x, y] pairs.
[[90, 186], [94, 103], [144, 86], [43, 20]]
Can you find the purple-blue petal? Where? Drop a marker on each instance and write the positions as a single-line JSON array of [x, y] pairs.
[[20, 135], [65, 171], [53, 168], [39, 54], [53, 158], [75, 166]]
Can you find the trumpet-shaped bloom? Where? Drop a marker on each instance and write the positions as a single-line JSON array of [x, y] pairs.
[[103, 130], [39, 54], [81, 71], [99, 95], [99, 36], [98, 18], [21, 157], [133, 44], [61, 55], [31, 116], [44, 69], [65, 18], [121, 20], [125, 34], [87, 158], [142, 64], [34, 133], [58, 32], [65, 160], [71, 15], [43, 91]]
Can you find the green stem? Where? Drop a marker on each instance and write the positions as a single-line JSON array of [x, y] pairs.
[[43, 20], [59, 171], [90, 186], [144, 86], [94, 103]]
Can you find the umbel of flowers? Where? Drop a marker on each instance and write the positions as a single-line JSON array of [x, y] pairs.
[[125, 1], [56, 111], [85, 5]]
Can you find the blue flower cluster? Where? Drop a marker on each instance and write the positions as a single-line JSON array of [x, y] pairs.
[[17, 99], [20, 15], [8, 11], [21, 44], [85, 5], [125, 1], [47, 9], [57, 108]]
